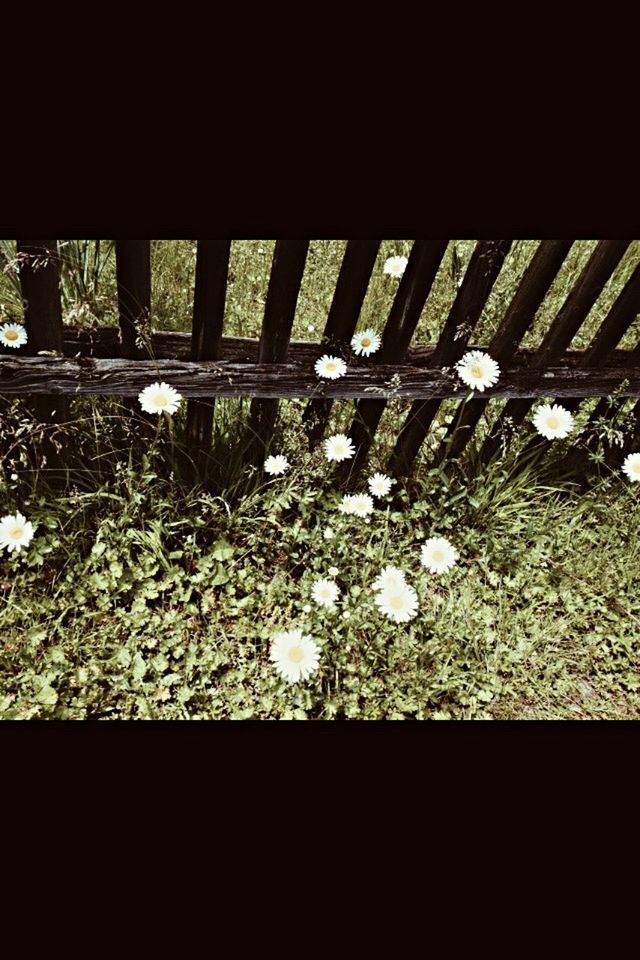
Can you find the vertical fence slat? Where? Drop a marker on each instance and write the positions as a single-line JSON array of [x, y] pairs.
[[351, 288], [133, 276], [212, 267], [39, 271], [572, 314], [415, 286], [282, 297], [520, 314], [482, 272]]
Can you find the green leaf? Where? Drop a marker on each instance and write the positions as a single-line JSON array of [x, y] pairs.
[[222, 550], [47, 695]]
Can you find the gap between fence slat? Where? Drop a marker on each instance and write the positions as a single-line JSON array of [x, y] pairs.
[[415, 286], [601, 265], [482, 272], [520, 314]]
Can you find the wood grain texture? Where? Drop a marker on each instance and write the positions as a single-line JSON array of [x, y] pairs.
[[49, 375]]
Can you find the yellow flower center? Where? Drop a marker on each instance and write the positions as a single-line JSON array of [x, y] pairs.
[[161, 400], [16, 533], [396, 602], [365, 342], [296, 654], [11, 335], [553, 423], [331, 366], [636, 466], [438, 555], [476, 371]]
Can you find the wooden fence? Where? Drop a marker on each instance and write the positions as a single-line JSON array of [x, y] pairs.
[[62, 362]]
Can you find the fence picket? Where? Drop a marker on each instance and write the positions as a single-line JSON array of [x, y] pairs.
[[39, 272], [133, 277], [282, 296], [212, 267]]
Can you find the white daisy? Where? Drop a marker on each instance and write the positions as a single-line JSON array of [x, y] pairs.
[[478, 370], [295, 656], [13, 335], [553, 422], [395, 266], [345, 615], [15, 532], [438, 555], [380, 484], [328, 533], [366, 343], [159, 398], [276, 465], [361, 505], [339, 447], [333, 571], [346, 504], [330, 367], [399, 603], [631, 466], [311, 328], [390, 578], [325, 593]]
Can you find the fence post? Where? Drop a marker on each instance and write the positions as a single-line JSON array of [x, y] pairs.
[[39, 271], [284, 286]]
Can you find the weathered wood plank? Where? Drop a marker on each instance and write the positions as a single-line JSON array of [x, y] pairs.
[[103, 343], [282, 380], [282, 297], [212, 266], [351, 288], [39, 272]]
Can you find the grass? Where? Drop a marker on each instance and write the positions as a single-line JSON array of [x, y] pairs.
[[143, 597]]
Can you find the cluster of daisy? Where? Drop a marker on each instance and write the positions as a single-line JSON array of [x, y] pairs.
[[13, 335], [478, 370], [296, 656], [337, 448], [363, 344]]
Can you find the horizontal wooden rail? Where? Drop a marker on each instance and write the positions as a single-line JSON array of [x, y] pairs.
[[211, 378], [103, 343]]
